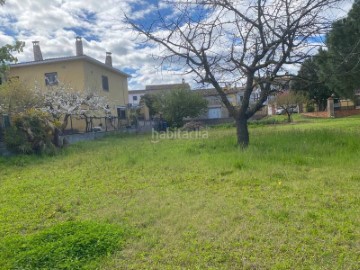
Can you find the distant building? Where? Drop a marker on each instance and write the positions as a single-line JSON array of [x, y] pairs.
[[217, 109], [135, 95]]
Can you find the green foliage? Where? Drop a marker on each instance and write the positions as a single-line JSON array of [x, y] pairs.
[[178, 104], [309, 83], [70, 245], [339, 65], [289, 201], [6, 54], [16, 97], [150, 101], [289, 101], [31, 132]]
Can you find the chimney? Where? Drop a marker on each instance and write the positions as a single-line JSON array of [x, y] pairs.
[[108, 59], [37, 51], [79, 47]]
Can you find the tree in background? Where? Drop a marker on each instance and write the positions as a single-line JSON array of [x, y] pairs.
[[226, 42], [308, 82], [288, 101], [149, 101], [6, 55], [340, 63], [176, 105], [6, 52]]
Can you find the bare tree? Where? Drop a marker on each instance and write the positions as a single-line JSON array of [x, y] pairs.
[[288, 103], [247, 42]]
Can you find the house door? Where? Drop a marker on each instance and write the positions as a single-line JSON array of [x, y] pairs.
[[214, 113]]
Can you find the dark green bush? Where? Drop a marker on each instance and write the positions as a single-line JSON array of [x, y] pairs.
[[310, 107], [71, 245], [30, 132]]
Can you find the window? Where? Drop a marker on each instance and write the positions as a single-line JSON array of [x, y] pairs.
[[105, 83], [135, 98], [51, 78], [121, 113]]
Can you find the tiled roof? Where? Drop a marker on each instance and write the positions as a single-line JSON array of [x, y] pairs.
[[212, 91], [167, 86], [68, 59], [134, 92]]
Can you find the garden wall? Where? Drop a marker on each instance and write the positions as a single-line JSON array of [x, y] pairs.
[[345, 113]]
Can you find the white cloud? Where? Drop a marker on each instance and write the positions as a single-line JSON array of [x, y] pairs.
[[53, 23]]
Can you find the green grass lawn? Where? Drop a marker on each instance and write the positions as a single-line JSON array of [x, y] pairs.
[[290, 201]]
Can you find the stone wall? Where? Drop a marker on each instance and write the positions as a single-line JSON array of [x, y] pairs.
[[345, 113], [316, 114]]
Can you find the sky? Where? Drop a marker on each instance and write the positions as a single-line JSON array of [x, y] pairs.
[[56, 23]]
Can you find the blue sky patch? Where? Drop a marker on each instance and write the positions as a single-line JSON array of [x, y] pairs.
[[88, 16], [196, 13], [129, 70], [8, 29], [83, 32]]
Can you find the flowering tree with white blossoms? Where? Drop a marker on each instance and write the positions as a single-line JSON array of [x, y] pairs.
[[62, 102]]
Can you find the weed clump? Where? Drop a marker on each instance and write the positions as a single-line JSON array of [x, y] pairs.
[[71, 245]]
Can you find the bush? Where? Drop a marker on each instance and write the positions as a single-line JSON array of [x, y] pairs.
[[176, 105], [192, 126], [31, 132], [71, 245], [310, 107]]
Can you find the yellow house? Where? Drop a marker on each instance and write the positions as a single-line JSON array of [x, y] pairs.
[[79, 72]]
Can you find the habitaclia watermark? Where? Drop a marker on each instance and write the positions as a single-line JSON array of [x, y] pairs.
[[178, 134]]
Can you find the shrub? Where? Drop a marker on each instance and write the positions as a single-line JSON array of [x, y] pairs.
[[31, 132], [310, 107], [192, 126], [71, 245]]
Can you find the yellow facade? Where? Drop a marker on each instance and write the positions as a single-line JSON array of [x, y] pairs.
[[80, 73]]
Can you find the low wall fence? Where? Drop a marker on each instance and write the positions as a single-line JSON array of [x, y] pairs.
[[346, 112]]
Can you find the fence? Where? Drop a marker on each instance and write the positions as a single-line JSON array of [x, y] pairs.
[[4, 123], [78, 125], [342, 105]]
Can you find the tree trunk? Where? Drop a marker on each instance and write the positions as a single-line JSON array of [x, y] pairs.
[[289, 117], [56, 140], [65, 122], [242, 132]]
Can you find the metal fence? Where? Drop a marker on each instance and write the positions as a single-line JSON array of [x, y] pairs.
[[78, 125]]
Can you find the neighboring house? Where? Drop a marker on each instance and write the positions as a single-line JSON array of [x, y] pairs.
[[135, 95], [79, 72], [216, 108]]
